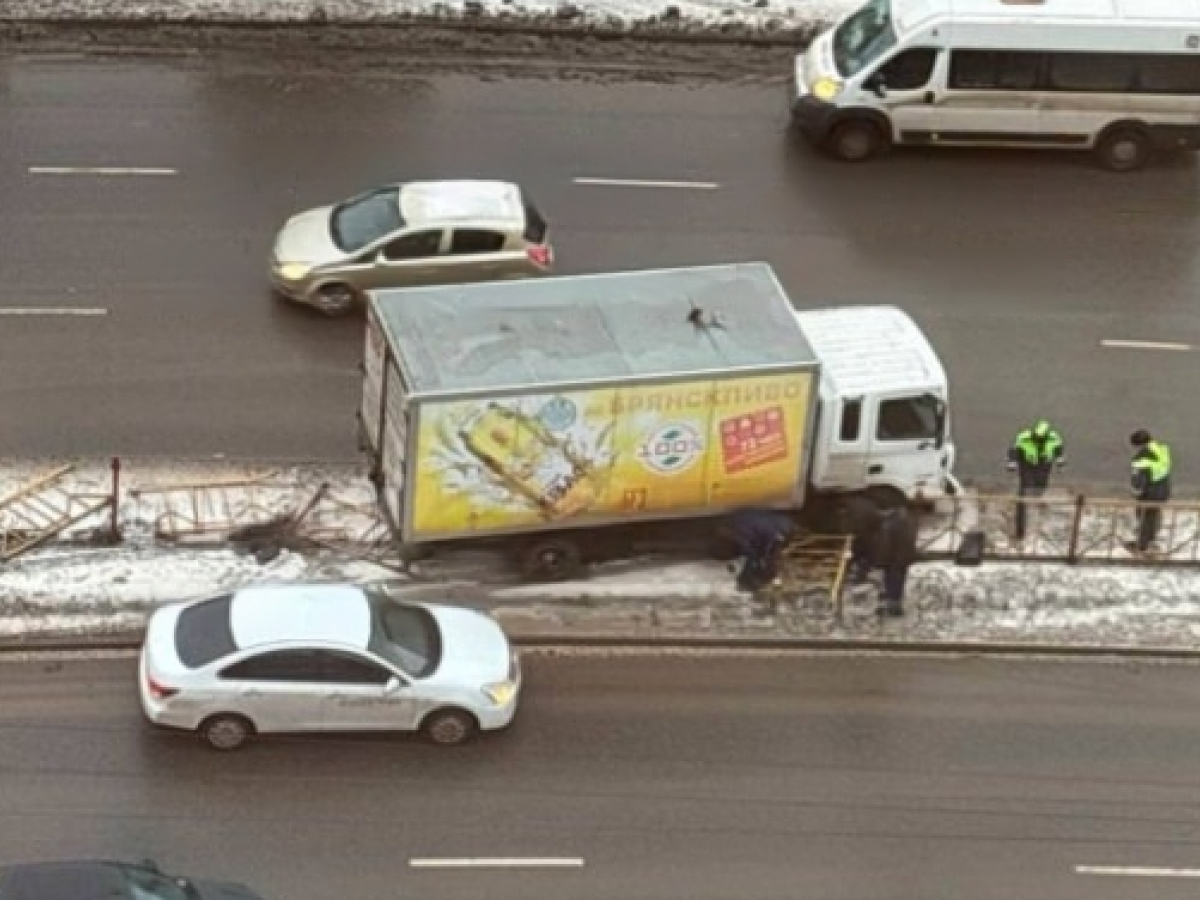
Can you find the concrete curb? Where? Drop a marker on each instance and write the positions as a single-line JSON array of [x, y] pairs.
[[131, 642]]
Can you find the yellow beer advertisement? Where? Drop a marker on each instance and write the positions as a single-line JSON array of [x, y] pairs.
[[608, 453]]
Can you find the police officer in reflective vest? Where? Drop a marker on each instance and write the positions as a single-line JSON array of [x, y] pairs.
[[1151, 483], [1033, 455]]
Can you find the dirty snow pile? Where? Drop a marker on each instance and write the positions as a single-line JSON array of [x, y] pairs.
[[176, 520], [614, 13], [72, 593]]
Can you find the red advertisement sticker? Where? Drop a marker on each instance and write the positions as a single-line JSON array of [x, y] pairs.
[[753, 439]]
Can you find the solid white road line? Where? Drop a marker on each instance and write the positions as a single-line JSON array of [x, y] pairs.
[[633, 182], [52, 311], [496, 863], [1147, 345], [97, 170], [1137, 872]]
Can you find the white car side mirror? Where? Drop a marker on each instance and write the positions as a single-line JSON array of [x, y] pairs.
[[393, 686]]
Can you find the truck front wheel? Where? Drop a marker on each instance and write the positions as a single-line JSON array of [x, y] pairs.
[[552, 559]]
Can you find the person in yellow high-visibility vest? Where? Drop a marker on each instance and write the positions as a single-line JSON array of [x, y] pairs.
[[1033, 455], [1150, 480]]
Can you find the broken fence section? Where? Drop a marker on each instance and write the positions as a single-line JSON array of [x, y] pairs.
[[270, 512], [46, 506]]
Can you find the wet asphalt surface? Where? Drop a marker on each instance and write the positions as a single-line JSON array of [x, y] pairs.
[[714, 778], [1018, 264]]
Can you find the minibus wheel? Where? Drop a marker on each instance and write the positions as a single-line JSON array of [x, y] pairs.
[[1124, 148], [855, 140]]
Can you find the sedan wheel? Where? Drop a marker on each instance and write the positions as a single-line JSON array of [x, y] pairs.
[[449, 727], [226, 731]]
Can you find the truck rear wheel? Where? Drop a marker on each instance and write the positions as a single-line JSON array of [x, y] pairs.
[[552, 559]]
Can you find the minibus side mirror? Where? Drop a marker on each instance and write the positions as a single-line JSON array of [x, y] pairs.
[[876, 85]]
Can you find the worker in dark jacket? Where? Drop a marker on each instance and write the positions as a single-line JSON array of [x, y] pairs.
[[896, 550], [1033, 455], [859, 517], [760, 535], [1150, 480]]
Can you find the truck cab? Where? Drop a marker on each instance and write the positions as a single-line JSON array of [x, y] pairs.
[[883, 420]]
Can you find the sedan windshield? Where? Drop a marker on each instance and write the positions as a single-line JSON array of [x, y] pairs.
[[148, 886], [405, 635], [863, 38], [365, 219]]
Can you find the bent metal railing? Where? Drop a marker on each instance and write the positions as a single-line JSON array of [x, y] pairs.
[[1073, 529], [47, 506]]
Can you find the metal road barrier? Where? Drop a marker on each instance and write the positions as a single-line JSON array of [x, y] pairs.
[[812, 572], [271, 512], [44, 507], [211, 511], [302, 509], [1062, 528]]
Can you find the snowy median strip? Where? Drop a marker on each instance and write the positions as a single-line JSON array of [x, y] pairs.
[[677, 16], [72, 590]]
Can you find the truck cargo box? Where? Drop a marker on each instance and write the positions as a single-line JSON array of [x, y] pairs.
[[520, 407]]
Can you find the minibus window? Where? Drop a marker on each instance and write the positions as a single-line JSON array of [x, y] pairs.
[[909, 70], [863, 38]]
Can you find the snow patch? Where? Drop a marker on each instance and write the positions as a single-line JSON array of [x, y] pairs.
[[615, 13]]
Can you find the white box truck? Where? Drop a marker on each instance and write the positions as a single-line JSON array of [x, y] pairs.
[[572, 418]]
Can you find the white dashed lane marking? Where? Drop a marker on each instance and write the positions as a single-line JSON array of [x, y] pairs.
[[52, 311], [503, 862], [98, 170], [633, 182], [1147, 345], [1137, 872]]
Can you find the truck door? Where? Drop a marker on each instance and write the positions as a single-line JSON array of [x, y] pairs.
[[844, 467], [905, 448]]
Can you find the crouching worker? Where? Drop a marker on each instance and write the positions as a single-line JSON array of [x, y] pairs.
[[760, 535]]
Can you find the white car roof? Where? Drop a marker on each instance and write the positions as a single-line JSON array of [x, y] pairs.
[[458, 201], [267, 614]]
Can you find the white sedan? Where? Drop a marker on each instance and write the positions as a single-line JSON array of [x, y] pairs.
[[326, 657]]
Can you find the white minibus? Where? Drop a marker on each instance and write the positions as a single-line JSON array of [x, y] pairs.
[[1120, 78]]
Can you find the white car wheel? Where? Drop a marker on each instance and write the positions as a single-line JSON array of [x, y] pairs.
[[226, 731], [449, 727]]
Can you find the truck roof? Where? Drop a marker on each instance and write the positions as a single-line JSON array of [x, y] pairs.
[[871, 349], [591, 328]]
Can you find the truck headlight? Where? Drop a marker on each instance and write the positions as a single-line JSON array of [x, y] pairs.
[[501, 692], [826, 89], [291, 271]]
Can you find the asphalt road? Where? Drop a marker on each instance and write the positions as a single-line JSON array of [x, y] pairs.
[[1019, 265], [705, 778]]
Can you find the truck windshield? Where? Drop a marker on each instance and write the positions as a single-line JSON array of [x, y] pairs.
[[863, 38]]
